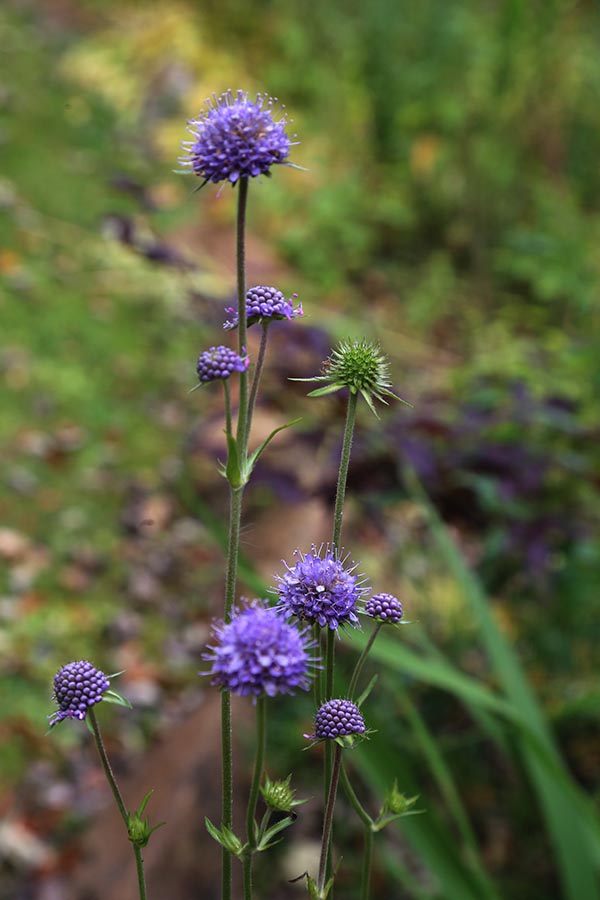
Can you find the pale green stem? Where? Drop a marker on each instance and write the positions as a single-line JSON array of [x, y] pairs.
[[257, 374], [242, 424], [363, 815], [139, 863], [361, 660], [259, 759], [328, 820], [233, 549], [336, 541]]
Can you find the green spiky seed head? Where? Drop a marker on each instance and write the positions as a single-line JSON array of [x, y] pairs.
[[359, 366]]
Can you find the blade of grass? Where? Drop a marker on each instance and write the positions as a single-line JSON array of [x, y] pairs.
[[574, 837]]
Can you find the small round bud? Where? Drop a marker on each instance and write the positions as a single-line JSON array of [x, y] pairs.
[[337, 718], [384, 607], [220, 362], [77, 686]]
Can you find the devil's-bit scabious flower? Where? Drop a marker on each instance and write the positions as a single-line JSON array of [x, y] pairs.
[[265, 304], [359, 366], [384, 607], [77, 686], [258, 652], [337, 718], [235, 137], [220, 362], [320, 589]]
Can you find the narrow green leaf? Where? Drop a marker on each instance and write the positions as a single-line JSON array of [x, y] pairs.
[[254, 456]]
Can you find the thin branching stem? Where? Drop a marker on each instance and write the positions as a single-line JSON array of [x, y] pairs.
[[233, 548], [361, 660], [328, 820], [260, 360], [259, 760], [139, 863]]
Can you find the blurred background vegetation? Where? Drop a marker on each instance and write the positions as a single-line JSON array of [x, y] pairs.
[[451, 209]]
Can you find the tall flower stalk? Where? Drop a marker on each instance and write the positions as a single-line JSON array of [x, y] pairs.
[[78, 687], [234, 139]]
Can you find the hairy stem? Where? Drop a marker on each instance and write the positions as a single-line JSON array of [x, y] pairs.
[[257, 373], [118, 799], [233, 548], [336, 540], [259, 759], [343, 471], [328, 820], [361, 660], [367, 821], [242, 424]]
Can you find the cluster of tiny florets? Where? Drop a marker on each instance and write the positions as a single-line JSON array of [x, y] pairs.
[[338, 718], [77, 686], [265, 304], [258, 653], [235, 137], [320, 589], [384, 607], [220, 362]]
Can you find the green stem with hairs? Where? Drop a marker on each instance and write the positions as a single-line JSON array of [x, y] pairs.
[[139, 862], [257, 373], [233, 548], [367, 821], [259, 759], [343, 472], [328, 820], [336, 540], [361, 660], [242, 424]]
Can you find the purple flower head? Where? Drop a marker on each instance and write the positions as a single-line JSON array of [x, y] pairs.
[[234, 137], [258, 653], [264, 304], [320, 589], [385, 608], [337, 718], [77, 686], [220, 362]]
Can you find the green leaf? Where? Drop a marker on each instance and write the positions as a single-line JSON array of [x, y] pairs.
[[111, 696], [225, 837], [367, 691], [328, 389], [254, 456], [267, 838]]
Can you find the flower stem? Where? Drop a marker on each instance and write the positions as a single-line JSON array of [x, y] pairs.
[[235, 515], [233, 548], [363, 815], [227, 406], [251, 833], [361, 660], [343, 472], [257, 373], [242, 424], [118, 798], [336, 540], [328, 820]]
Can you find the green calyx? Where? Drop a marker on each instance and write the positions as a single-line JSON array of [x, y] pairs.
[[359, 366], [279, 795], [138, 829]]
